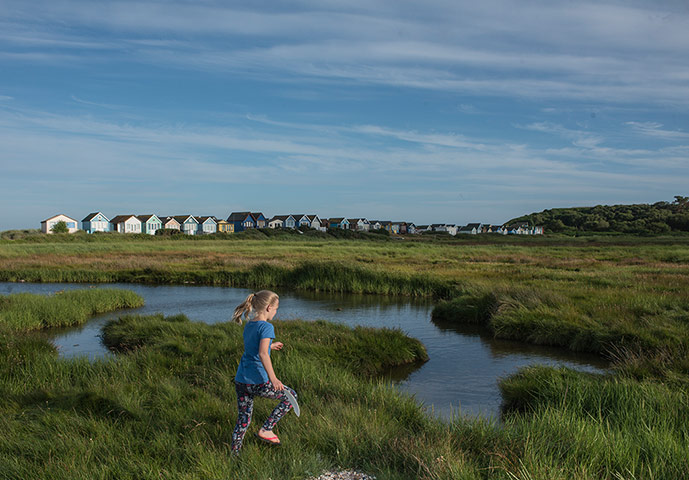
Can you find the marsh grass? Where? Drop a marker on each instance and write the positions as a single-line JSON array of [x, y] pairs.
[[27, 311], [164, 406], [580, 318], [595, 426], [312, 276]]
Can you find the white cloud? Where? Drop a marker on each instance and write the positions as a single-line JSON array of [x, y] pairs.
[[469, 109], [591, 50], [579, 138], [95, 104], [655, 129], [66, 145]]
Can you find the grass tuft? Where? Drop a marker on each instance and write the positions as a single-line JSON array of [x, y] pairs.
[[27, 311]]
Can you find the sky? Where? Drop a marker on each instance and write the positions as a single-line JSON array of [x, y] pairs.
[[441, 111]]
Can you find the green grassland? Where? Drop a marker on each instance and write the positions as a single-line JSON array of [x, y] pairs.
[[625, 298], [164, 407], [595, 294]]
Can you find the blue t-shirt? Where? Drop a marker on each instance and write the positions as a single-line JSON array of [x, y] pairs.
[[250, 367]]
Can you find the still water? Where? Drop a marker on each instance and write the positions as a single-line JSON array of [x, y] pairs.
[[461, 376]]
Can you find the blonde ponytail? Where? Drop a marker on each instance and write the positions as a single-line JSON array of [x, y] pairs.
[[254, 302]]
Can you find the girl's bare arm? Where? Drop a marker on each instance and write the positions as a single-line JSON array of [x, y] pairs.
[[264, 355]]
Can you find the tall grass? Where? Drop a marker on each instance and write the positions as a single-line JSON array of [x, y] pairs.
[[598, 426], [165, 408], [27, 311], [313, 276], [581, 319]]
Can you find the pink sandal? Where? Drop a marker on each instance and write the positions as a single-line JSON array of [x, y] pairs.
[[274, 440]]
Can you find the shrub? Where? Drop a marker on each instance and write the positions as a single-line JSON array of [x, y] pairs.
[[168, 232], [60, 227]]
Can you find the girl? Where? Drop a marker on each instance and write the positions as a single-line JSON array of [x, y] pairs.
[[255, 375]]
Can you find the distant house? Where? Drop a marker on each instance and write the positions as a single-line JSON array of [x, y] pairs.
[[95, 222], [316, 222], [224, 226], [451, 228], [246, 220], [207, 225], [150, 224], [125, 224], [359, 224], [282, 221], [518, 229], [386, 225], [496, 229], [470, 229], [338, 222], [375, 225], [423, 228], [48, 224], [259, 219], [524, 229], [170, 223], [437, 227], [188, 224], [395, 227], [241, 221], [277, 221], [408, 228], [301, 220]]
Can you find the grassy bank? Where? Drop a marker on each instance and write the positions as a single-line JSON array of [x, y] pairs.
[[621, 263], [577, 425], [317, 277], [579, 320], [26, 311], [624, 298], [645, 334], [165, 407], [619, 296]]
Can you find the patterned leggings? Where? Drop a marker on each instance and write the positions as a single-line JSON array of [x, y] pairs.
[[245, 404]]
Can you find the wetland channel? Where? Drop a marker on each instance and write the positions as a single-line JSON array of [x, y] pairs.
[[461, 377]]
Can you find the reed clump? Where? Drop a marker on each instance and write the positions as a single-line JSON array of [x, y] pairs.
[[597, 426], [580, 319], [27, 311], [332, 277]]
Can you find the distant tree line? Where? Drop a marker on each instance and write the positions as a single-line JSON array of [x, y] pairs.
[[660, 217]]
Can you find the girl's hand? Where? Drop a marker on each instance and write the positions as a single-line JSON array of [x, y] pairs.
[[277, 384], [276, 346]]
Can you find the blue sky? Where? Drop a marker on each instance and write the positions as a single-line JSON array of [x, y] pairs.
[[435, 111]]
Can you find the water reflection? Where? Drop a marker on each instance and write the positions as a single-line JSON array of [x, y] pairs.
[[500, 348], [460, 377]]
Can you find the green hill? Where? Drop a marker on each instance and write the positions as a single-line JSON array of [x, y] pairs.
[[660, 217]]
